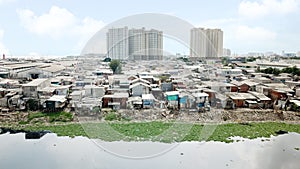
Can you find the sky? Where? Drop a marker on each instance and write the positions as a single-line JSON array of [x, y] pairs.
[[63, 27]]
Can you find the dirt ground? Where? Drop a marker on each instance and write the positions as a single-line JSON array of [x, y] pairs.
[[13, 117], [214, 115]]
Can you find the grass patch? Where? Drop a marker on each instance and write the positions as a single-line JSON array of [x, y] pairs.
[[60, 117], [50, 117], [34, 115], [113, 116], [164, 131], [23, 122], [140, 130]]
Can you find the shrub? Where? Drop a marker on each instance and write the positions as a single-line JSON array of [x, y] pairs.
[[111, 116], [32, 104]]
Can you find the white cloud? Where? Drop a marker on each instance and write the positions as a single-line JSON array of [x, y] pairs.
[[239, 36], [262, 8], [59, 23], [55, 23], [256, 34], [3, 49], [86, 29]]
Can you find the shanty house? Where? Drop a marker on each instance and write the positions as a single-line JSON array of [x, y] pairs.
[[201, 100], [56, 102], [138, 89], [115, 101], [172, 99], [263, 101], [31, 89], [148, 100], [52, 70], [241, 99], [94, 91]]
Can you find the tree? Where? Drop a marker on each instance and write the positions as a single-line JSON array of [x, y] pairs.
[[107, 60], [276, 72], [163, 78], [115, 66], [32, 105], [225, 61]]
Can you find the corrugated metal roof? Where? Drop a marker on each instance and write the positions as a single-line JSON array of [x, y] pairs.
[[148, 97], [297, 102], [172, 93], [57, 98], [117, 95], [260, 96], [35, 82], [200, 94], [54, 68], [137, 84], [240, 96], [139, 80]]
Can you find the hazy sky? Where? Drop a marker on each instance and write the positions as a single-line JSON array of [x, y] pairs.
[[62, 27]]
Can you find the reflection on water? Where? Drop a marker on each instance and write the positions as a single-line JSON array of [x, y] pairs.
[[78, 153]]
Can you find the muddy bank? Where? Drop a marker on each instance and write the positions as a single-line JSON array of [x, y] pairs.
[[13, 117], [214, 115], [260, 115]]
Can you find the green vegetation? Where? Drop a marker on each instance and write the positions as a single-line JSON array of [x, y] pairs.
[[271, 70], [163, 78], [225, 61], [185, 59], [291, 58], [34, 117], [115, 66], [107, 60], [251, 59], [71, 130], [291, 70], [60, 117], [32, 104], [165, 131], [113, 116]]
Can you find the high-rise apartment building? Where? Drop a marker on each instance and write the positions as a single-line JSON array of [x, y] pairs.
[[198, 42], [206, 43], [117, 43], [141, 44], [145, 44], [226, 52], [137, 42]]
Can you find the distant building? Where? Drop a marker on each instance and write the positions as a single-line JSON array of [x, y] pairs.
[[206, 43], [289, 55], [198, 42], [117, 43], [254, 54], [285, 54], [226, 52], [134, 44], [145, 45], [268, 54]]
